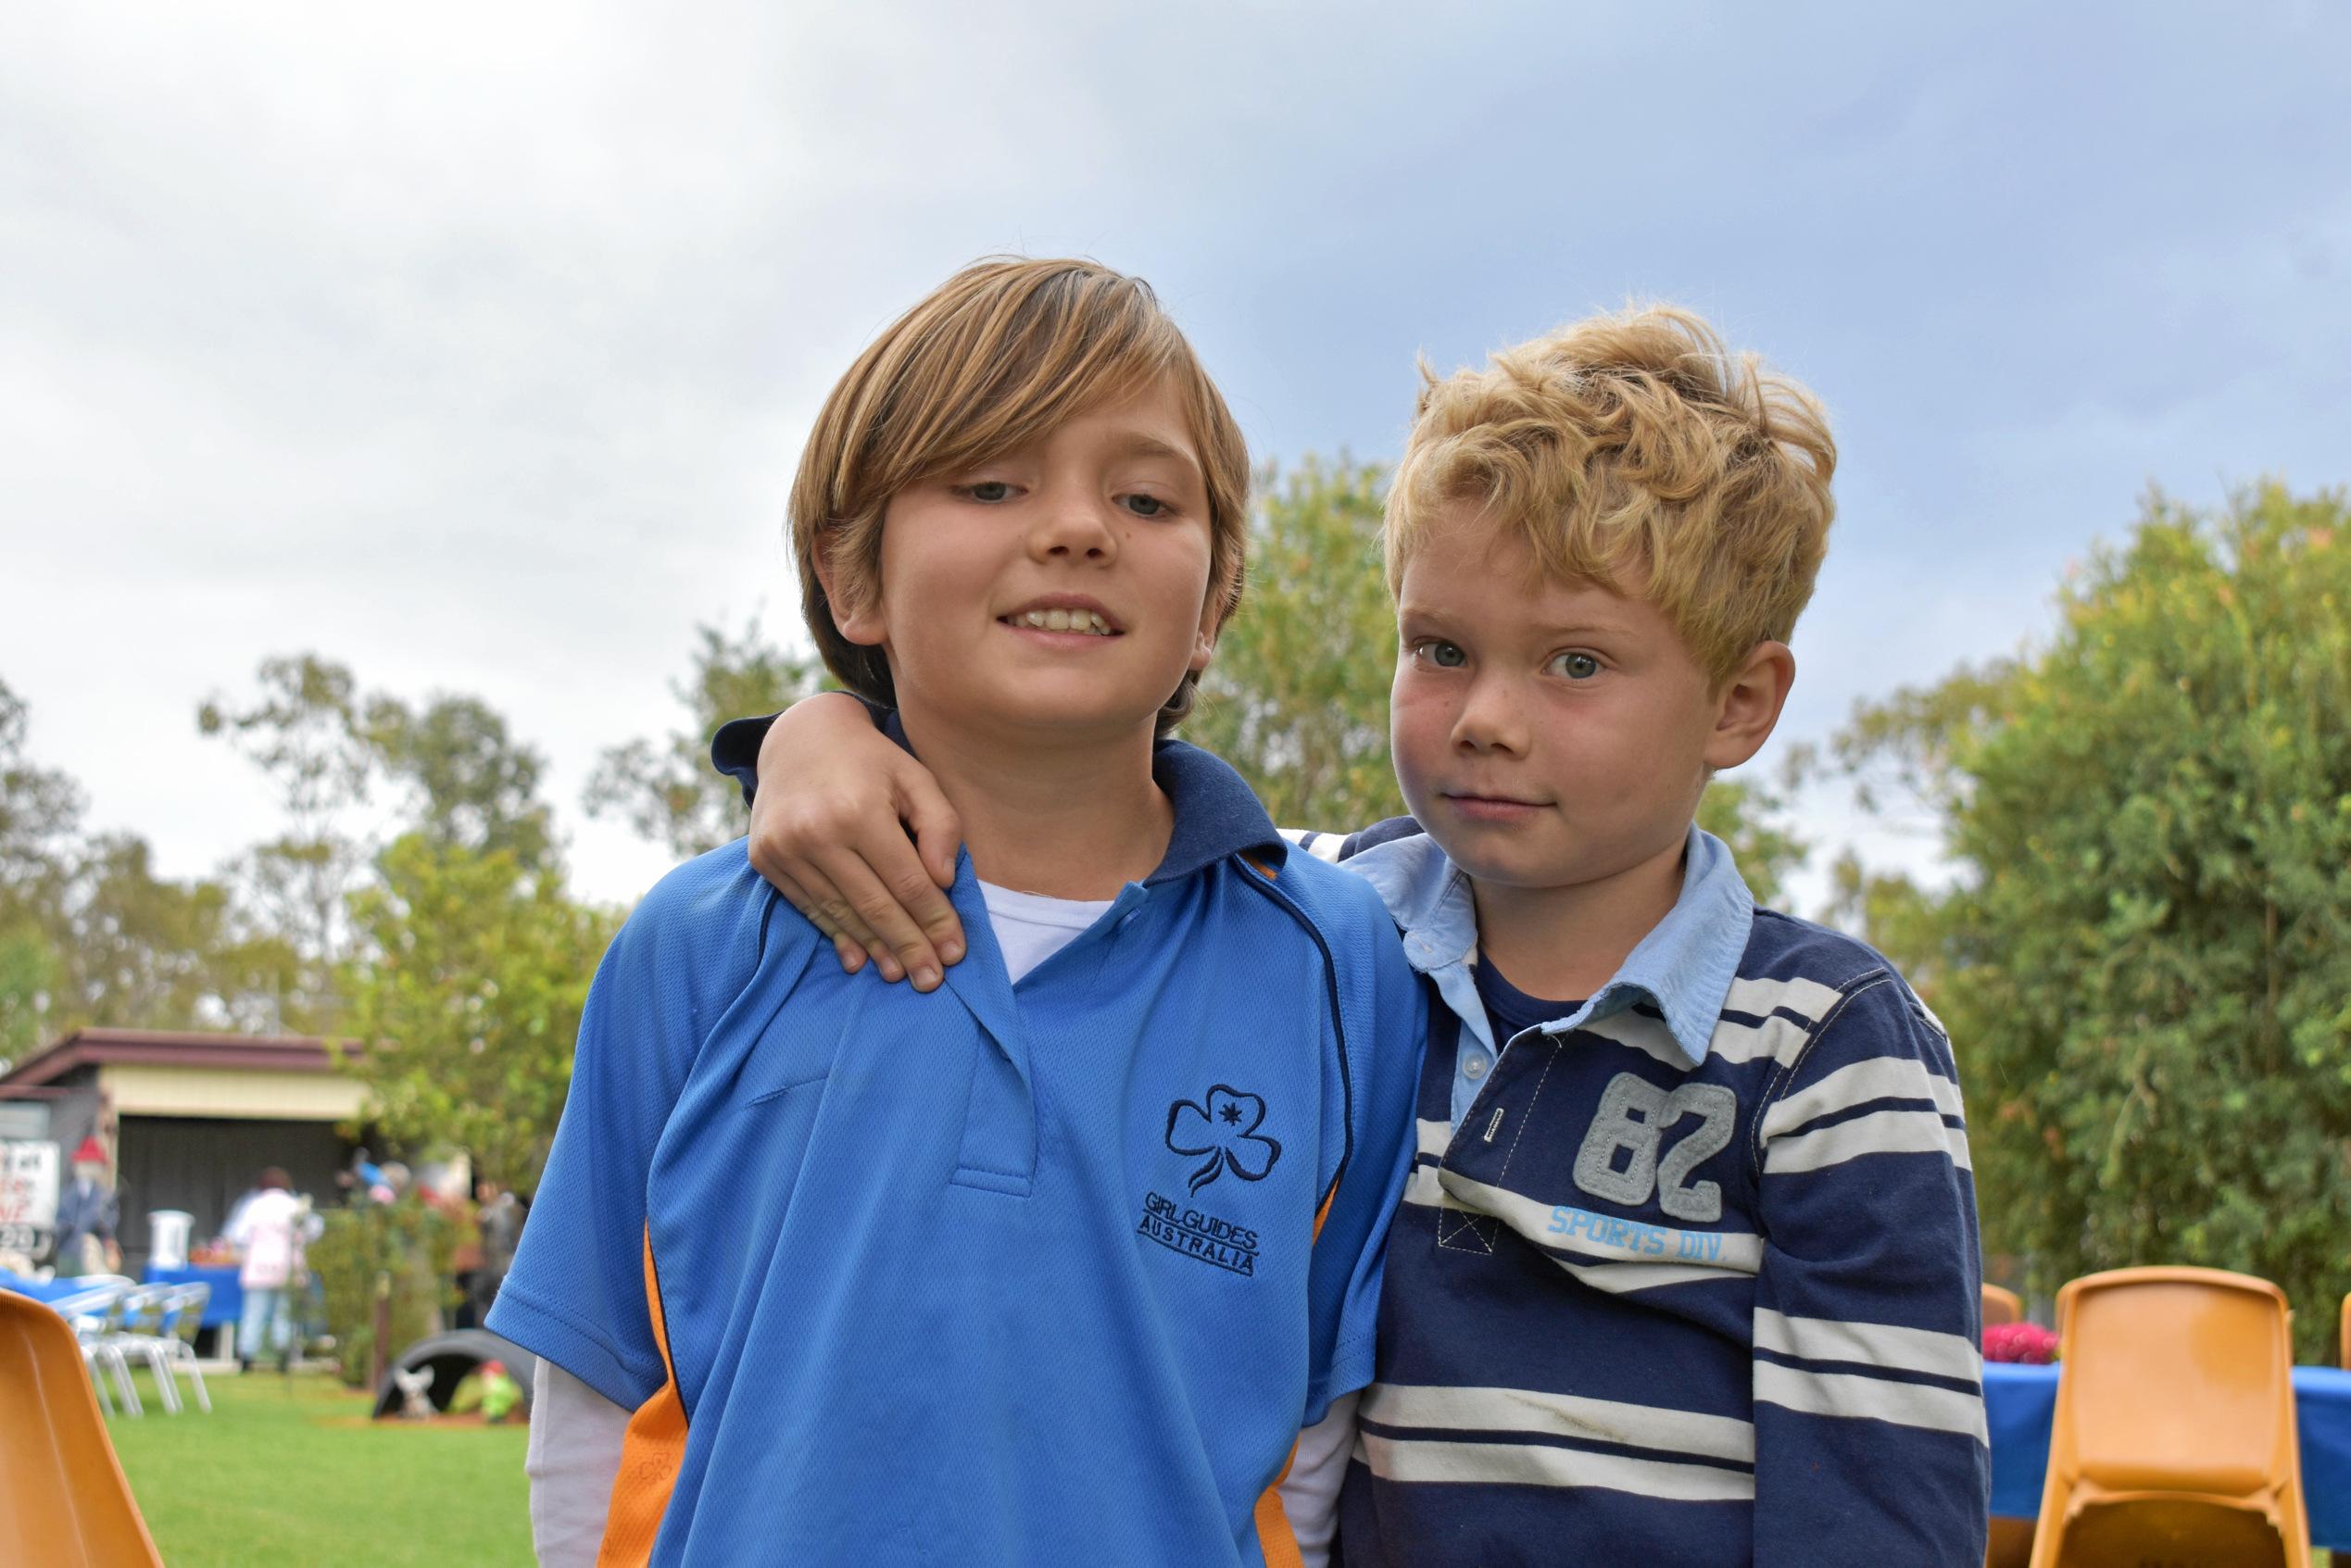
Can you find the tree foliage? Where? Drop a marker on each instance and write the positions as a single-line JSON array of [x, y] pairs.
[[91, 935], [2146, 964], [411, 1246], [473, 785], [1297, 697], [666, 790], [466, 996], [303, 730]]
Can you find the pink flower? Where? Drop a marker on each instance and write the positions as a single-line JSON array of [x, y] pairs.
[[2025, 1342]]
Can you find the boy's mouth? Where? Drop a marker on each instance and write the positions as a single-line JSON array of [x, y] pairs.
[[1074, 616], [1491, 808]]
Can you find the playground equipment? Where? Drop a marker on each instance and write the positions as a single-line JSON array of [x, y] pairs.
[[450, 1359]]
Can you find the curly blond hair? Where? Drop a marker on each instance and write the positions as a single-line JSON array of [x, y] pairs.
[[997, 357], [1633, 450]]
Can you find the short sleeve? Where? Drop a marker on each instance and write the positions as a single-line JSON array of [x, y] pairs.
[[576, 1293]]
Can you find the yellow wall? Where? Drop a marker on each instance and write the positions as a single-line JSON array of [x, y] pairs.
[[140, 1089]]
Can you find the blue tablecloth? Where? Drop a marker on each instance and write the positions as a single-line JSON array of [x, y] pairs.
[[228, 1297], [41, 1289], [2020, 1401]]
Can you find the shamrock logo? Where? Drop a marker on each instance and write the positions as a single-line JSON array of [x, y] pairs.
[[1224, 1129]]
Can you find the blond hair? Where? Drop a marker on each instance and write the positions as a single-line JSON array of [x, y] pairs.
[[1633, 450], [993, 359]]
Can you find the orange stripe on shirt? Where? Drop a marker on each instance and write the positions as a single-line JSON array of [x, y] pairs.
[[652, 1453], [1275, 1537]]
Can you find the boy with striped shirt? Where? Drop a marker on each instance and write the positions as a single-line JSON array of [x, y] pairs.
[[1687, 1268]]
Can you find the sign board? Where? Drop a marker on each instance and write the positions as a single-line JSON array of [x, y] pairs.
[[28, 1195]]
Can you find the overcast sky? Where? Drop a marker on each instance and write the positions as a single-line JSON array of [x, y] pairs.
[[474, 345]]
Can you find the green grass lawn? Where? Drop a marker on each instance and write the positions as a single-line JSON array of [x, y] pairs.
[[289, 1473]]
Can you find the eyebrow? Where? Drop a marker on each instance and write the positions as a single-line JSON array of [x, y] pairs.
[[1135, 444], [1560, 631]]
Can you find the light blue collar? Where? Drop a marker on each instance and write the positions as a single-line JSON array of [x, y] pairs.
[[1683, 967]]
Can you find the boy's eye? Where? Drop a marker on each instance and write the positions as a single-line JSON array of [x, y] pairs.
[[988, 490], [1576, 666], [1442, 654], [1145, 506]]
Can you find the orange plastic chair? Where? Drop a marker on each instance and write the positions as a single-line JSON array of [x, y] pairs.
[[2001, 1306], [2347, 1334], [63, 1498], [2174, 1438]]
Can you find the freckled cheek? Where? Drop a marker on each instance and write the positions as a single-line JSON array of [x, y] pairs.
[[1420, 733]]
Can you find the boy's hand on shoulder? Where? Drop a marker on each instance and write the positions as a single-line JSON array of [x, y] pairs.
[[830, 824]]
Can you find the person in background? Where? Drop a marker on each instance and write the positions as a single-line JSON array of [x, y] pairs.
[[500, 1224], [88, 1213], [270, 1233]]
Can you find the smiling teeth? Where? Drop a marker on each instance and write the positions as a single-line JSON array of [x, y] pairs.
[[1084, 620]]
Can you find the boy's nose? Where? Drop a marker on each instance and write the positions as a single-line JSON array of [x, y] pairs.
[[1074, 527], [1491, 718]]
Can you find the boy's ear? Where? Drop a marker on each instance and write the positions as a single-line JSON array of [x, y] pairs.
[[858, 624], [1748, 707], [1204, 645]]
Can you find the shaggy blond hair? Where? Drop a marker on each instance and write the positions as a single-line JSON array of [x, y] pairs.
[[992, 360], [1634, 451]]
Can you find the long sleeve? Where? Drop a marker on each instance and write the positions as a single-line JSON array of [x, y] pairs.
[[1869, 1404], [574, 1453]]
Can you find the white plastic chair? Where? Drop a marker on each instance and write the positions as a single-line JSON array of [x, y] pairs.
[[147, 1332], [183, 1315], [96, 1316]]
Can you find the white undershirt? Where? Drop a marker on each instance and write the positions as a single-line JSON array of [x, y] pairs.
[[577, 1433], [1031, 928]]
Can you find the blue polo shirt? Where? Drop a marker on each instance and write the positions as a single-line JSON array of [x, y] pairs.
[[1038, 1274]]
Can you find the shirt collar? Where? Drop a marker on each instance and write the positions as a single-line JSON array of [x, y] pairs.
[[1683, 968]]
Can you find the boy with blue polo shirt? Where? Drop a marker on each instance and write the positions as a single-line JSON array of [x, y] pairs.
[[1053, 1269], [1687, 1268]]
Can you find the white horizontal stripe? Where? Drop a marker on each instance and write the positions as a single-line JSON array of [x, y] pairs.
[[1920, 1002], [1638, 1031], [1535, 1465], [1561, 1415], [1421, 1189], [1883, 1132], [1325, 845], [1690, 1254], [1435, 1137], [1616, 1278], [1758, 998], [1775, 1039], [1871, 1343], [1852, 1397], [1884, 1077]]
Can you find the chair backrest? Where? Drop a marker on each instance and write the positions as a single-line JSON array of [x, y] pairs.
[[2175, 1380], [63, 1498], [142, 1309], [192, 1299], [2001, 1306]]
